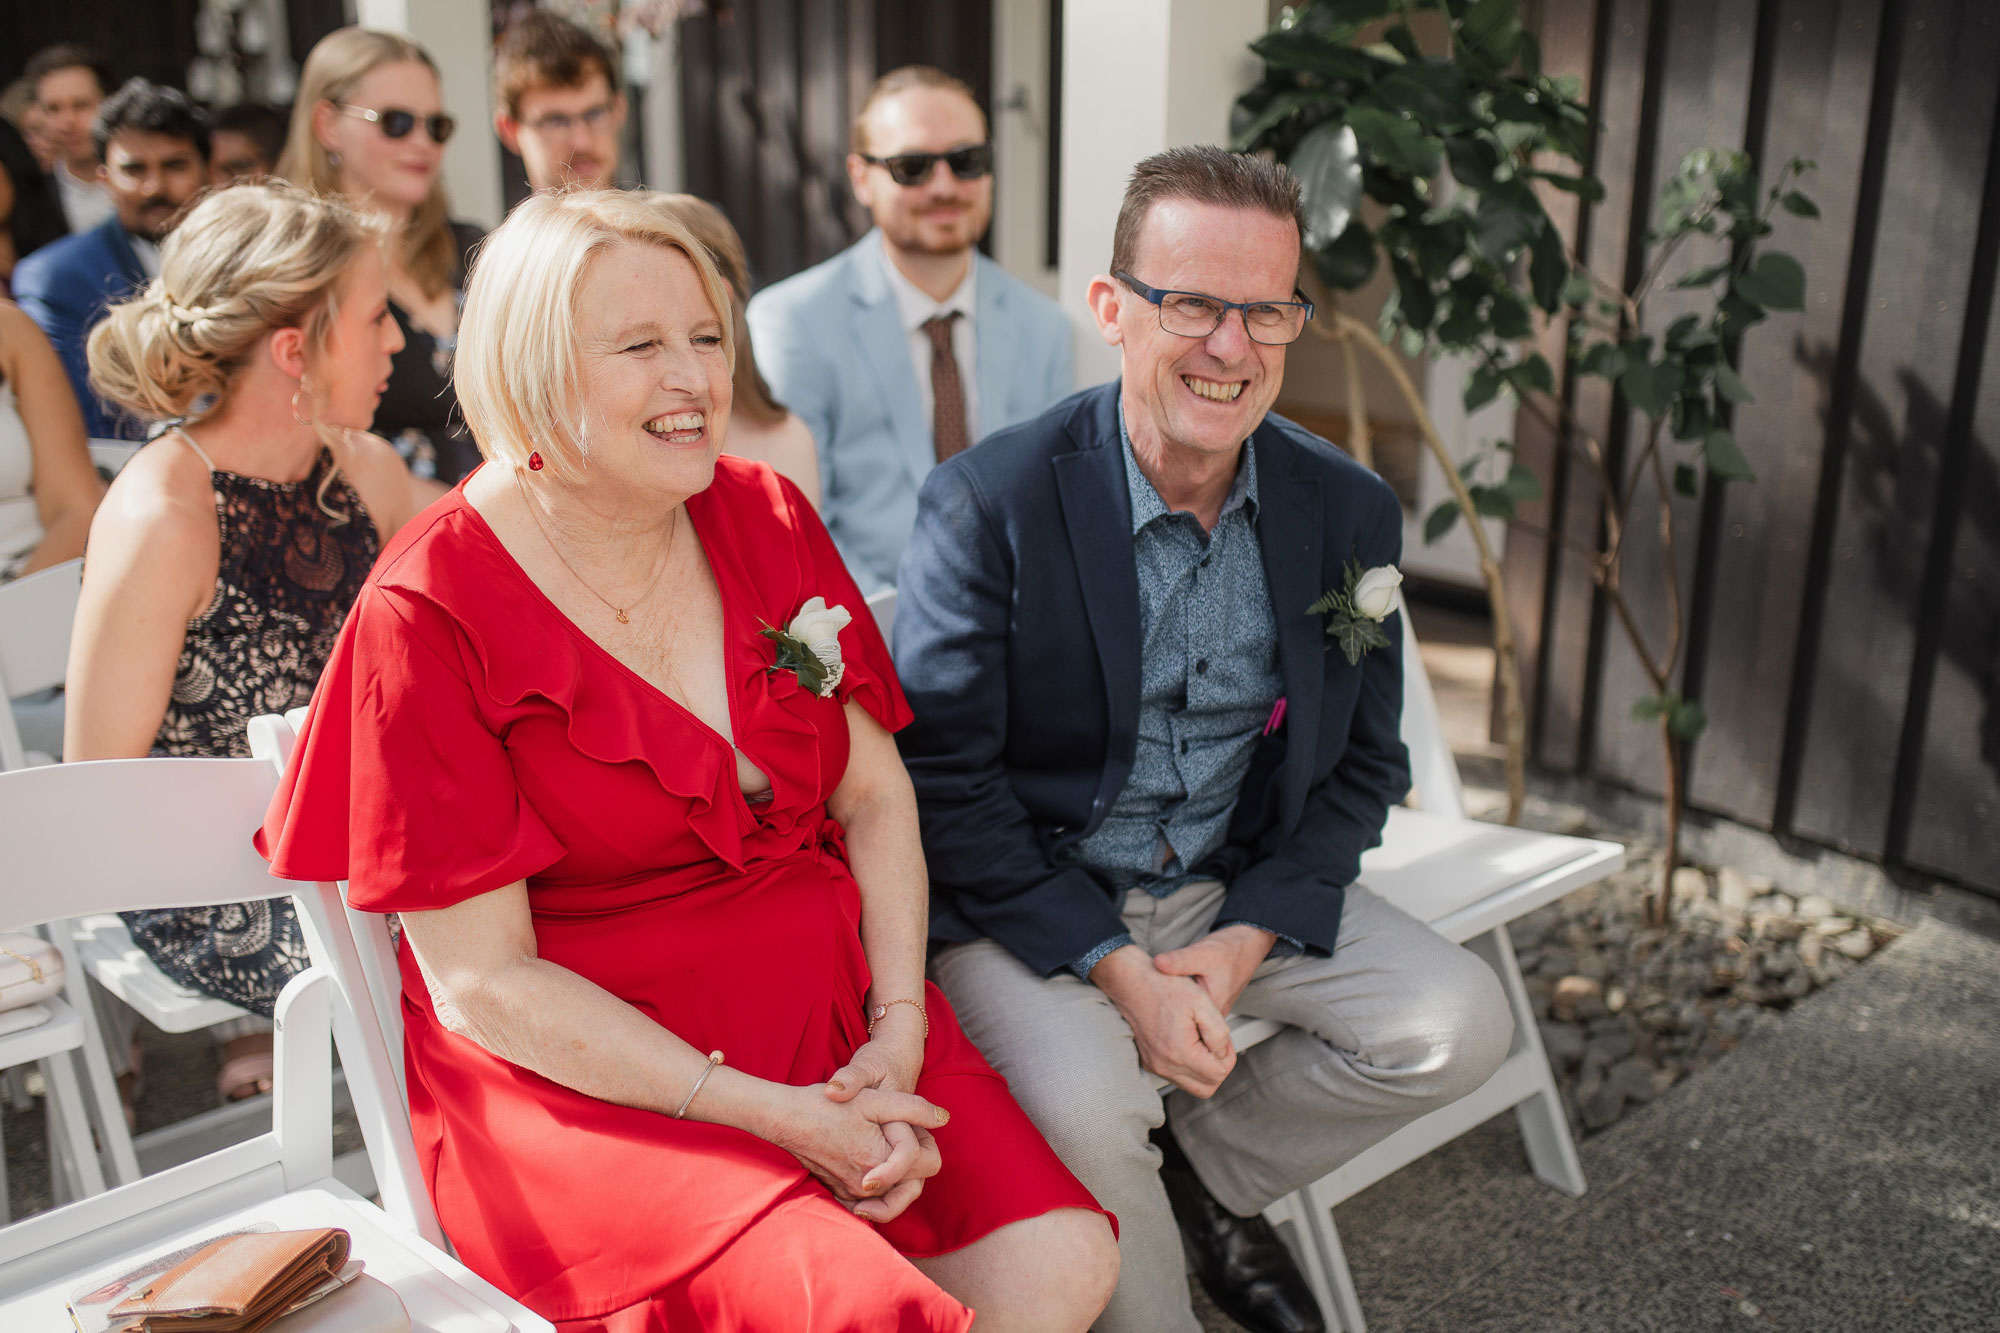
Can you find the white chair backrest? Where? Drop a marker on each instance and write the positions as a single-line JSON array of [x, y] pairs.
[[183, 840], [36, 613], [883, 605], [1433, 770], [112, 455]]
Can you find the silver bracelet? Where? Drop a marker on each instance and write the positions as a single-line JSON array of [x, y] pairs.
[[714, 1059]]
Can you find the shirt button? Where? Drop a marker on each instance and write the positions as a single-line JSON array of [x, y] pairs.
[[1201, 667], [1205, 559], [1184, 747]]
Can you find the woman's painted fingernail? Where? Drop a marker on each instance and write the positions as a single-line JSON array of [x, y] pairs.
[[837, 1086], [943, 1116]]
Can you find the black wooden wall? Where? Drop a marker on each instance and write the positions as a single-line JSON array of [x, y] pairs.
[[768, 89], [1845, 613]]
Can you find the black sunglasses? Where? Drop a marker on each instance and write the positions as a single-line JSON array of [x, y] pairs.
[[968, 164], [395, 123]]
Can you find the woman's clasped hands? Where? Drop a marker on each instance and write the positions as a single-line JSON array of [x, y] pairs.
[[864, 1132]]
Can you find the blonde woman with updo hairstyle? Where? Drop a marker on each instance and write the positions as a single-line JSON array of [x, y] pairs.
[[760, 427], [611, 729], [226, 554], [369, 124]]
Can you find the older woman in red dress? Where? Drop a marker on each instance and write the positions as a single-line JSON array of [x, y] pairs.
[[673, 1064]]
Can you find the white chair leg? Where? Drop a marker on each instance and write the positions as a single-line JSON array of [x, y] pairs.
[[6, 1208], [1544, 1125], [66, 1108], [1288, 1216], [117, 1137], [1340, 1302]]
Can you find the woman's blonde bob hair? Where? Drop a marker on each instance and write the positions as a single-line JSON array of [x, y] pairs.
[[706, 223], [426, 251], [517, 366]]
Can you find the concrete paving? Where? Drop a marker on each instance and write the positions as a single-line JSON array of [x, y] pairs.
[[1838, 1171]]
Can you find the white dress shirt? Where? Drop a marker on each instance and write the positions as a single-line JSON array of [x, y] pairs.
[[916, 306], [85, 203], [147, 253]]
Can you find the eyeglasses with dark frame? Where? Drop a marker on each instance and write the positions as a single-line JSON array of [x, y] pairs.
[[1197, 314], [396, 123], [561, 122], [967, 164]]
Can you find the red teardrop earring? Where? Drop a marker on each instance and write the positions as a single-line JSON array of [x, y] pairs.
[[535, 461]]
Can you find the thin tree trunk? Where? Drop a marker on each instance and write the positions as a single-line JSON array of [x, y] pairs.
[[1513, 714], [1360, 439], [1663, 902]]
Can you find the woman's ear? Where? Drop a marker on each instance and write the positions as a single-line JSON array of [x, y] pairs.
[[323, 115], [288, 352]]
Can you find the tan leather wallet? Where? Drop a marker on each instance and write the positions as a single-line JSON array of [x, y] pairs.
[[237, 1284]]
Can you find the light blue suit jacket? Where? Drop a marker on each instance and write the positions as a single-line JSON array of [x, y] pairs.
[[831, 343]]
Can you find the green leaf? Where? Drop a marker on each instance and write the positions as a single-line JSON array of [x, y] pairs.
[[1473, 160], [1328, 165], [1703, 276], [1730, 385], [1686, 720], [1776, 282], [1510, 316], [1651, 387], [1798, 205], [1419, 306], [1576, 289], [1349, 261], [1522, 483], [794, 656], [1491, 28], [1437, 245], [1503, 227], [1686, 480], [1652, 707], [1492, 502], [1587, 188], [1395, 141], [1533, 371], [1277, 109], [1481, 386], [1725, 457], [1307, 53], [1691, 417], [1548, 267], [1440, 521], [1602, 359], [1433, 92]]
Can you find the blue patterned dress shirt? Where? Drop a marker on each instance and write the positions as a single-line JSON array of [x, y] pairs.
[[1209, 677]]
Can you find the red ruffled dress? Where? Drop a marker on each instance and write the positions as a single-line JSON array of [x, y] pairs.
[[467, 735]]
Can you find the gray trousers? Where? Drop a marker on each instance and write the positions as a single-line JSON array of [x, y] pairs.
[[1397, 1022]]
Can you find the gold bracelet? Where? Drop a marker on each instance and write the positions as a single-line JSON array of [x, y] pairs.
[[882, 1009], [714, 1059]]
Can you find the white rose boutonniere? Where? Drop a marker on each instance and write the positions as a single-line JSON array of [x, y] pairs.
[[809, 647], [1355, 612]]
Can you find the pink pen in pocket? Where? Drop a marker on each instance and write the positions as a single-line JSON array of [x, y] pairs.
[[1277, 718]]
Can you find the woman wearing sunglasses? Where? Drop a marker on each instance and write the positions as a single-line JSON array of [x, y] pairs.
[[370, 125]]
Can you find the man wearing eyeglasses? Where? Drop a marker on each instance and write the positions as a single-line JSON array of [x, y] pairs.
[[557, 104], [1146, 778], [909, 345]]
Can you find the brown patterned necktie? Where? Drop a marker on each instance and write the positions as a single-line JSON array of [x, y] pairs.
[[947, 389]]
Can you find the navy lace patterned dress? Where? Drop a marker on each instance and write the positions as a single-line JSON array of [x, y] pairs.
[[294, 555]]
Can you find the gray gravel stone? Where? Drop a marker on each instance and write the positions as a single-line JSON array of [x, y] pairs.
[[1564, 1043]]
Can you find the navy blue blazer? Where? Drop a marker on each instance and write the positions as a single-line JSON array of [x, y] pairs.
[[65, 287], [1017, 640]]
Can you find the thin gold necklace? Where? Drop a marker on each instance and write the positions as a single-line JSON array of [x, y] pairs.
[[616, 610]]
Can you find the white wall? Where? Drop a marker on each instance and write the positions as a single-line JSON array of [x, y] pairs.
[[1021, 123], [459, 36], [1139, 76]]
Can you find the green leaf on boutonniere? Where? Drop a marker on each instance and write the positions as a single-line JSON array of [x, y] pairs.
[[795, 657], [1345, 625]]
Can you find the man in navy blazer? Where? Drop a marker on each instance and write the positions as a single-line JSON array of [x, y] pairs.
[[1146, 775], [908, 345], [153, 144]]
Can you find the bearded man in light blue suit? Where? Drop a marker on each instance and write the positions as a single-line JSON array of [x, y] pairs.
[[908, 345]]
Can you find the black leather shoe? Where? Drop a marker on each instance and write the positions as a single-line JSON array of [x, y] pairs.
[[1242, 1265]]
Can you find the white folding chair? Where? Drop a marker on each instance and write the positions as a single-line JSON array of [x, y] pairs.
[[36, 612], [184, 841], [111, 456]]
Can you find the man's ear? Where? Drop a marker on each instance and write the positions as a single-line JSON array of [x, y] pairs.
[[509, 131], [857, 177], [1103, 297], [287, 350]]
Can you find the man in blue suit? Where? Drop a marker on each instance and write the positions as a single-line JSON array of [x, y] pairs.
[[909, 345], [1146, 771], [152, 146]]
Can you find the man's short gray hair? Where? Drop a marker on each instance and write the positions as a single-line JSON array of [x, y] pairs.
[[1204, 174]]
